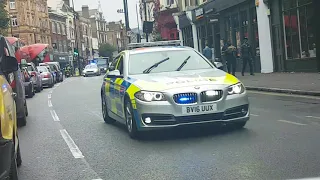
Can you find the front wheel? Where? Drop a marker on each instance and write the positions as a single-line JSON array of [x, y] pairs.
[[107, 119], [30, 92], [130, 121]]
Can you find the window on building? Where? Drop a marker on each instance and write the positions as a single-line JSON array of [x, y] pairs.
[[14, 21], [54, 27], [63, 30], [12, 4], [299, 29], [58, 28], [255, 41]]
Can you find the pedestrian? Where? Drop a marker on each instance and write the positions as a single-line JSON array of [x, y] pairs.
[[207, 52], [230, 56], [246, 56]]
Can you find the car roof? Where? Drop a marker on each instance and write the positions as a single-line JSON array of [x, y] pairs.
[[157, 49]]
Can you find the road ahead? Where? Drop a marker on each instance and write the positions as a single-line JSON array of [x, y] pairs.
[[67, 139]]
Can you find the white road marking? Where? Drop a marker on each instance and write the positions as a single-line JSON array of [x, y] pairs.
[[50, 92], [58, 85], [54, 115], [290, 122], [49, 103], [314, 117], [49, 96], [72, 146], [254, 115]]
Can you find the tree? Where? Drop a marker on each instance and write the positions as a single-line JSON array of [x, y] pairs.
[[106, 50], [4, 19]]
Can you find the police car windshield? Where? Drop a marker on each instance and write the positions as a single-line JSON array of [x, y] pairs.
[[141, 61]]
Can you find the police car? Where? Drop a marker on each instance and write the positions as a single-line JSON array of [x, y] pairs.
[[156, 86]]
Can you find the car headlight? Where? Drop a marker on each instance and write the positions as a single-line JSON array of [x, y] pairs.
[[236, 89], [149, 96]]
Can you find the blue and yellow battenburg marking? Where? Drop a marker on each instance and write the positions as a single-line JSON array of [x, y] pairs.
[[118, 91]]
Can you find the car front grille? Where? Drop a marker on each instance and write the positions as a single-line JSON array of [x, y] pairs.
[[217, 95], [185, 98]]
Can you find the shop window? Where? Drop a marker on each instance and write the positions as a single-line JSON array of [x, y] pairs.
[[255, 36], [299, 34]]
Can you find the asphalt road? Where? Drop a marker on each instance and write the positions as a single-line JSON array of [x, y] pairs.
[[66, 139]]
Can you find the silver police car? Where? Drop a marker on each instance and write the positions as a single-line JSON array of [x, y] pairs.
[[164, 87]]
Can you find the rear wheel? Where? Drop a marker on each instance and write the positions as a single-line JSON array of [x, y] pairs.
[[13, 174], [30, 92], [38, 89], [130, 120], [105, 114]]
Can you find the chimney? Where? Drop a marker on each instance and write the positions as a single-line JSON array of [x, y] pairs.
[[67, 2], [85, 11]]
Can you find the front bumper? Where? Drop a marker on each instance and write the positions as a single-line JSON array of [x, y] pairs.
[[6, 147], [168, 114], [89, 73]]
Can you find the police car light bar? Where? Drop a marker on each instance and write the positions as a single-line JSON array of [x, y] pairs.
[[154, 44]]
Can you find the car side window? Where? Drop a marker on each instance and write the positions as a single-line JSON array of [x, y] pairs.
[[120, 65]]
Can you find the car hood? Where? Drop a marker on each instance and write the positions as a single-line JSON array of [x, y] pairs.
[[178, 79]]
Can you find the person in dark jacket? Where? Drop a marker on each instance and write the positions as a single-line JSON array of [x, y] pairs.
[[230, 56], [246, 55]]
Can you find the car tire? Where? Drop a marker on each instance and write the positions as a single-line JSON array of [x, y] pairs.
[[19, 159], [107, 119], [26, 109], [22, 121], [240, 125], [13, 174], [130, 120], [38, 89], [30, 93]]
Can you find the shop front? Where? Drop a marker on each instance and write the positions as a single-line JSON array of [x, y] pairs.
[[230, 21], [186, 29], [294, 31]]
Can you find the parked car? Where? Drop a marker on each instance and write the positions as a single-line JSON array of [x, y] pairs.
[[10, 157], [46, 76], [28, 83], [36, 78], [51, 71], [58, 69], [91, 69], [16, 81]]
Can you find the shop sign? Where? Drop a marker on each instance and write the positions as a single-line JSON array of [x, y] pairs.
[[199, 13]]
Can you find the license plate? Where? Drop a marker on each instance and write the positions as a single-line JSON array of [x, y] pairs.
[[199, 109]]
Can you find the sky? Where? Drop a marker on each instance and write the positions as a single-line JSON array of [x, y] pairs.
[[109, 9]]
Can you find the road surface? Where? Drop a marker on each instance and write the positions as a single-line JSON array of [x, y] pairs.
[[66, 138]]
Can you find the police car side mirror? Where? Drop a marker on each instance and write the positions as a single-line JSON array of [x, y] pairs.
[[114, 74], [111, 68], [9, 64]]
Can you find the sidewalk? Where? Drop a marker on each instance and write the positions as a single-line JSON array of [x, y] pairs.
[[292, 83]]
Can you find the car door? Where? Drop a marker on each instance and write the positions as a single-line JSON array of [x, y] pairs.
[[109, 88], [119, 89]]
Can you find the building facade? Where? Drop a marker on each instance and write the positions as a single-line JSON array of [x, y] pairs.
[[116, 33], [280, 41], [98, 27], [59, 37], [29, 21]]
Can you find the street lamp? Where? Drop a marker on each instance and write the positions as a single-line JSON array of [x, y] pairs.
[[11, 25], [34, 35]]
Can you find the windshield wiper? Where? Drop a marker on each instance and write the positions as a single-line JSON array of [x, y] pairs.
[[183, 64], [148, 70]]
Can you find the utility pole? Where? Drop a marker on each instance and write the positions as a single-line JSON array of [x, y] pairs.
[[76, 36], [139, 35], [145, 17], [126, 16]]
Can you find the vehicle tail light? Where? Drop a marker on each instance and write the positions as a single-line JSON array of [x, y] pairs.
[[34, 73], [46, 76]]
